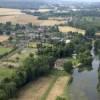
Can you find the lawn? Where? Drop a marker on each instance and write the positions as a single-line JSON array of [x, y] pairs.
[[4, 50], [5, 72]]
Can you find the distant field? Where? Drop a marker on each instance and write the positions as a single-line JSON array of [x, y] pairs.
[[16, 16], [4, 50], [44, 10], [3, 38], [5, 72], [98, 34], [24, 19], [66, 29], [6, 11], [57, 18]]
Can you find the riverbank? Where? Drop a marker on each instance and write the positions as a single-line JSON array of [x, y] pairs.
[[85, 81]]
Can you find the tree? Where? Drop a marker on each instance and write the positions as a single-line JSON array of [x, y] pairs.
[[9, 88], [3, 95], [19, 77], [68, 67], [90, 32]]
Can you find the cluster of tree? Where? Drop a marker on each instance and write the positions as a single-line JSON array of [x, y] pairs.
[[90, 32], [42, 18], [50, 14], [53, 29], [32, 69], [68, 66], [85, 22], [82, 48], [59, 50], [98, 86], [85, 58], [8, 27], [97, 46], [91, 12]]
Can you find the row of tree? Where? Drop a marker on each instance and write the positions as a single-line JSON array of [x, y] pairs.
[[97, 46], [32, 69]]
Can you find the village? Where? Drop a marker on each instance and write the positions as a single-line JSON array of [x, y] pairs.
[[43, 49]]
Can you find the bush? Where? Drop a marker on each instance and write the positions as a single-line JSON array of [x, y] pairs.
[[60, 98]]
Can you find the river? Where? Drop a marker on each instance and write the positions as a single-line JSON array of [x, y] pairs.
[[84, 84]]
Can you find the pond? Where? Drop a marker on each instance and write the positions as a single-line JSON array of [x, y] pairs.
[[84, 84]]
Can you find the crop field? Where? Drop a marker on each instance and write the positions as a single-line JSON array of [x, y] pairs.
[[50, 22], [16, 16], [34, 90], [24, 19], [66, 29], [3, 38], [6, 11], [45, 88]]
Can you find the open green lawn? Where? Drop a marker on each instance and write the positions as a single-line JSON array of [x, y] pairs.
[[4, 50], [6, 72]]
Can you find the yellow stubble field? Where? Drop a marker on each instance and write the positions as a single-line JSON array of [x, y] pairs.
[[66, 29], [16, 16]]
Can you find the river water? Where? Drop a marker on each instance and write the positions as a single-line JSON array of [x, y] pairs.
[[84, 84]]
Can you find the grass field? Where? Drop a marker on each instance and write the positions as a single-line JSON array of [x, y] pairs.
[[22, 55], [66, 29], [4, 50], [5, 72]]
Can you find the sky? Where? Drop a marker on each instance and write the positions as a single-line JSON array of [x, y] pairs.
[[56, 0]]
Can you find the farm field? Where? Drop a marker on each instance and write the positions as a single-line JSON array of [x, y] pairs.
[[59, 85], [98, 34], [34, 90], [8, 11], [3, 38], [16, 16], [23, 54], [24, 19], [17, 58], [44, 10], [57, 18], [45, 88], [4, 50], [65, 29]]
